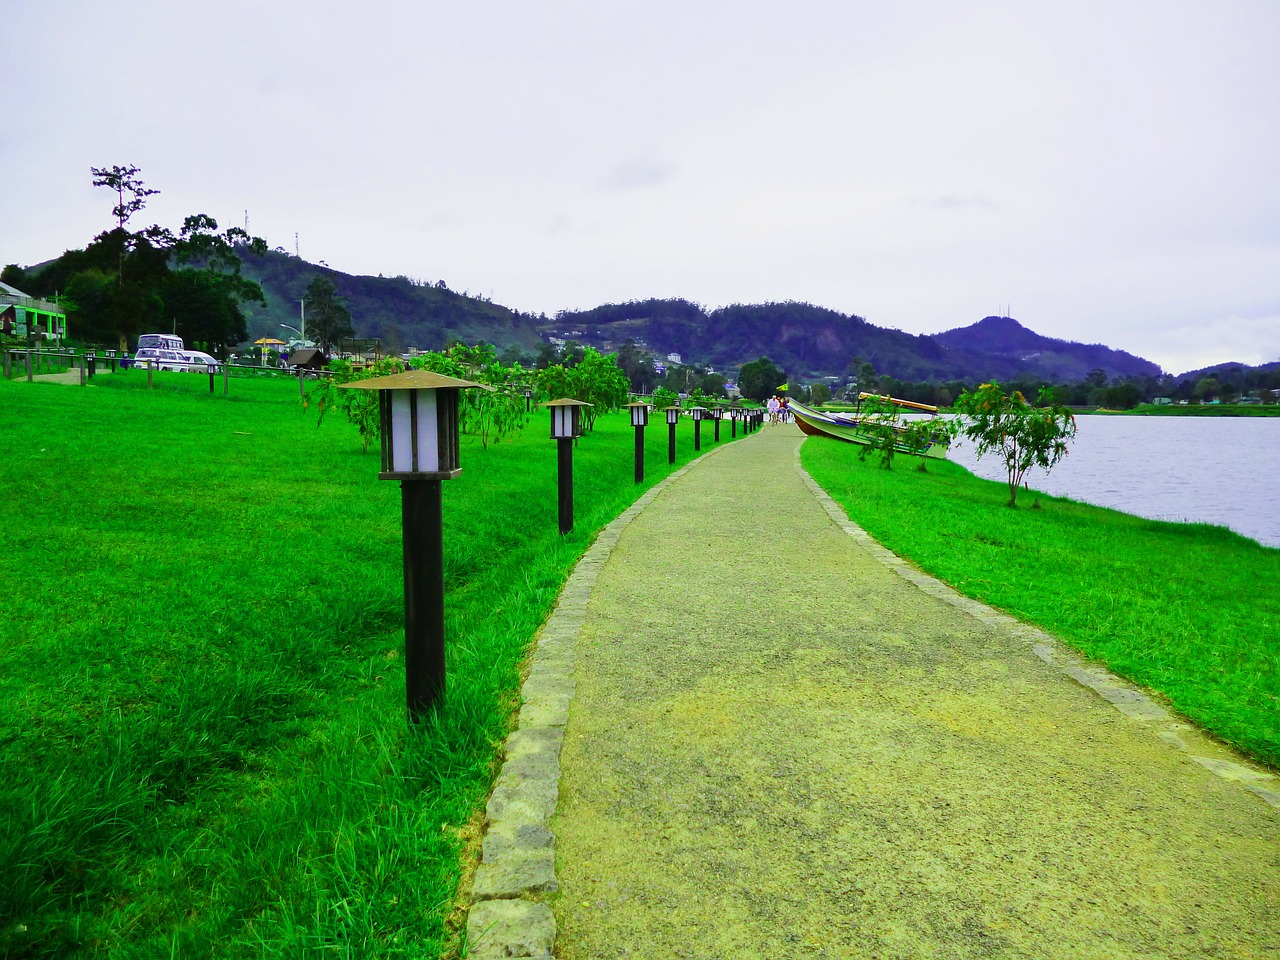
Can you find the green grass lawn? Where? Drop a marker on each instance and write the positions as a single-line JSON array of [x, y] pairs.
[[202, 720], [1188, 610]]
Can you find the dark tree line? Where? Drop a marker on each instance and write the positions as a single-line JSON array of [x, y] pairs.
[[1226, 384], [126, 282]]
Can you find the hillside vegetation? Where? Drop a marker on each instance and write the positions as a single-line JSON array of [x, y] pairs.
[[401, 311], [815, 341]]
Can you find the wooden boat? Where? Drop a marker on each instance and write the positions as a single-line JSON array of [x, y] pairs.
[[862, 427]]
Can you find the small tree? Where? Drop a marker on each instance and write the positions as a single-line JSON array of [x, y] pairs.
[[595, 379], [123, 180], [759, 379], [663, 398], [491, 414], [328, 319], [1021, 434], [360, 406], [879, 421], [919, 434]]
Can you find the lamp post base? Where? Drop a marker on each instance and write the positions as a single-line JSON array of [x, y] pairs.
[[422, 528], [564, 464]]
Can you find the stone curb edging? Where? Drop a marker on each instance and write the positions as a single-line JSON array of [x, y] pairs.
[[1121, 694], [518, 860]]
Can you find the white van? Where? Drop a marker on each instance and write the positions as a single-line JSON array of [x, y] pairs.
[[160, 341], [159, 359]]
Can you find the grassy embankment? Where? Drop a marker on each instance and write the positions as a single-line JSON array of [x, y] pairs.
[[1179, 608], [202, 722]]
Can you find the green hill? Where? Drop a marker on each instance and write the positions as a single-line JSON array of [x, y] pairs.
[[401, 311], [808, 340]]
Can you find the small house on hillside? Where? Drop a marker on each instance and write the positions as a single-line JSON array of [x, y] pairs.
[[22, 315]]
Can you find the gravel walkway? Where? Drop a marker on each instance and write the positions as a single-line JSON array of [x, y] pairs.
[[781, 746]]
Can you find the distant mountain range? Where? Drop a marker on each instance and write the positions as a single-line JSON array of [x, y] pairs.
[[814, 341], [803, 339], [1228, 370], [1003, 344]]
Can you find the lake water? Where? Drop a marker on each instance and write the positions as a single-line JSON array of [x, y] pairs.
[[1222, 470]]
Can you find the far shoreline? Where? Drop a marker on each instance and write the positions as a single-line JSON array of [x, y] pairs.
[[1189, 410]]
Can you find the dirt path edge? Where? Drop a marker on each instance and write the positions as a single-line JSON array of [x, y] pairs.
[[518, 858]]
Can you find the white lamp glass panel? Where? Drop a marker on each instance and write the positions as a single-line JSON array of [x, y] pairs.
[[428, 432], [563, 420], [402, 432], [401, 438]]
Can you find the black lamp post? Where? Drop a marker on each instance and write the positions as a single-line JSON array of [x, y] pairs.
[[717, 413], [419, 414], [673, 417], [566, 426], [698, 413], [528, 399], [212, 370], [639, 420]]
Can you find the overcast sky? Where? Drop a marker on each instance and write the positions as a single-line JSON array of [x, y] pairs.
[[1107, 171]]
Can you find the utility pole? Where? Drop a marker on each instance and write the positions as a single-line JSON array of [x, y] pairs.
[[302, 325]]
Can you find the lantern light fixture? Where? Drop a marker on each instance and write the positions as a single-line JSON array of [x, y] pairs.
[[566, 426], [639, 419], [698, 414], [566, 418], [673, 417], [639, 413], [419, 420], [418, 413]]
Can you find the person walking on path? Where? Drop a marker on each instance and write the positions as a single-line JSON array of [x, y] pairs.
[[780, 748]]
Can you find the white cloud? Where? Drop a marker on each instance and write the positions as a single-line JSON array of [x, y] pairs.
[[1108, 169], [639, 172], [1251, 340]]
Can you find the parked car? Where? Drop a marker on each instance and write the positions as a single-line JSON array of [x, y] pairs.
[[198, 361], [160, 359]]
